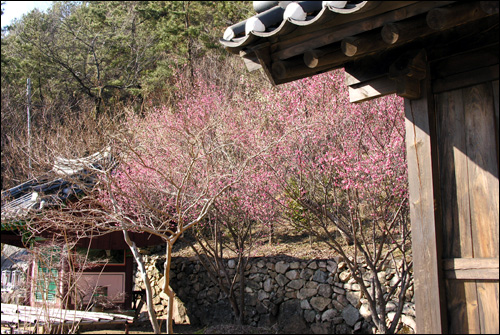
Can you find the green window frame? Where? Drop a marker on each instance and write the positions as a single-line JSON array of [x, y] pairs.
[[47, 276], [46, 284]]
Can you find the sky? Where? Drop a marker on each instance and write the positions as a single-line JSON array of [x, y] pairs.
[[16, 9]]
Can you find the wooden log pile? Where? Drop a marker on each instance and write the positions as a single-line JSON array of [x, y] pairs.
[[15, 315]]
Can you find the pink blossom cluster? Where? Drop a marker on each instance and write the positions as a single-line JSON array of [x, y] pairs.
[[343, 154], [241, 152]]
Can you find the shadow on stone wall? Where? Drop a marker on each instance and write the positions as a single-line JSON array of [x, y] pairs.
[[293, 295]]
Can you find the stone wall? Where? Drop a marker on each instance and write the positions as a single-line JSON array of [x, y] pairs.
[[296, 296]]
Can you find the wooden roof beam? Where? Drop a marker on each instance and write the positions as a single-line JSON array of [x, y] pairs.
[[371, 89], [408, 30], [394, 33], [363, 44], [262, 52], [251, 60], [330, 55], [358, 46], [408, 71], [296, 67], [444, 18], [344, 27], [375, 76], [367, 77]]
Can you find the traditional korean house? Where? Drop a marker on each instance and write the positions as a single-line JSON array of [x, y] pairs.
[[442, 57], [14, 267], [109, 279]]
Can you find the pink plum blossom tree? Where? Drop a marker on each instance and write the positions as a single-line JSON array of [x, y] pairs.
[[346, 172], [178, 163], [241, 217]]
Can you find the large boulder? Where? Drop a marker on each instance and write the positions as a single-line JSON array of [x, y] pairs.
[[179, 312], [290, 319], [350, 315], [281, 267], [320, 303], [320, 276]]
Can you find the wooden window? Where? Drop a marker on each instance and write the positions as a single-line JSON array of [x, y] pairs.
[[46, 284], [47, 277]]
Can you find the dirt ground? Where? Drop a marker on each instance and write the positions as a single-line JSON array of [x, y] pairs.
[[143, 328], [287, 241], [146, 328], [186, 329]]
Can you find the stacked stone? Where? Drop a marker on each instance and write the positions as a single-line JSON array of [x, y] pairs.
[[317, 296]]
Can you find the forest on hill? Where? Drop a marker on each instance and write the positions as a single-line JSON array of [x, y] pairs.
[[91, 59]]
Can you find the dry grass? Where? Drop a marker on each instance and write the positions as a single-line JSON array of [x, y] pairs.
[[288, 241]]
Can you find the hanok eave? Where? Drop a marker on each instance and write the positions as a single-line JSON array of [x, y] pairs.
[[442, 57]]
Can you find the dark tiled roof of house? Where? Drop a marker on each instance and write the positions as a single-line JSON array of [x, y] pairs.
[[68, 178]]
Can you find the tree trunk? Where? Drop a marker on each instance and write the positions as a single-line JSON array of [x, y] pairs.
[[271, 234], [147, 283], [241, 320], [166, 288]]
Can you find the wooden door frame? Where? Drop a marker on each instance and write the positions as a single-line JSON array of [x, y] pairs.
[[430, 301]]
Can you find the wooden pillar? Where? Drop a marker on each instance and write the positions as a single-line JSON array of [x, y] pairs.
[[429, 292]]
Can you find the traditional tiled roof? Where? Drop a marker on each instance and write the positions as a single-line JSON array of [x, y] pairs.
[[291, 40], [278, 18], [69, 177]]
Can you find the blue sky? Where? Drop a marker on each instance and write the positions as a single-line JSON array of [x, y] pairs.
[[16, 9]]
